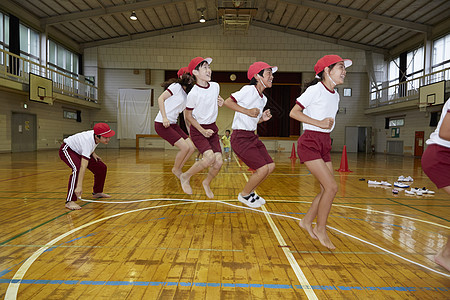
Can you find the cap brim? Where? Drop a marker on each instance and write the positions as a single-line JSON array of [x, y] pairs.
[[274, 69], [347, 63], [208, 60], [109, 134]]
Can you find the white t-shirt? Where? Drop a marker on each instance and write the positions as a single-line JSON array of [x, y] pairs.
[[319, 103], [248, 97], [175, 104], [434, 137], [203, 102], [82, 143]]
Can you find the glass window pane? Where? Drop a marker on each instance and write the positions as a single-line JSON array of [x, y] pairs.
[[24, 41]]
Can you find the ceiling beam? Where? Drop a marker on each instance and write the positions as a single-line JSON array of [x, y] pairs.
[[319, 37], [105, 11], [153, 33], [358, 14]]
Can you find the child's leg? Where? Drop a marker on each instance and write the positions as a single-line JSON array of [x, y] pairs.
[[443, 257], [257, 178], [208, 160], [213, 171], [324, 173], [186, 149], [99, 169]]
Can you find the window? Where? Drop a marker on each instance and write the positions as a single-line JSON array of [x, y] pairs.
[[396, 122], [70, 114], [29, 46], [393, 72], [4, 34], [64, 61], [441, 54], [414, 68]]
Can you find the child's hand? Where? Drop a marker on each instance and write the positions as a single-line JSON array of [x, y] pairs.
[[166, 122], [266, 115], [208, 133], [220, 101], [253, 112], [326, 123]]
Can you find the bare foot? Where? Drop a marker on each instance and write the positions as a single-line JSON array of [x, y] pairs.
[[208, 191], [185, 184], [177, 173], [309, 228], [324, 239], [100, 195], [72, 206], [440, 260]]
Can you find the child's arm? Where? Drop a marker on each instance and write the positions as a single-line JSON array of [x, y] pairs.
[[251, 112], [207, 133], [163, 97], [297, 114], [79, 189], [444, 131]]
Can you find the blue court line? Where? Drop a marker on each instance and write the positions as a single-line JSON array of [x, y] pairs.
[[232, 285]]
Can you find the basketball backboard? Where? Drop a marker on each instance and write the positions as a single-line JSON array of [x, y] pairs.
[[41, 89], [431, 94]]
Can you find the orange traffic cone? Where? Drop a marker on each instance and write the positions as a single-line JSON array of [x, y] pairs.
[[293, 156], [344, 162]]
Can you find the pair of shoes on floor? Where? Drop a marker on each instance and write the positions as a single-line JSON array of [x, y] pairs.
[[405, 179], [395, 191], [401, 185], [419, 191], [253, 200], [385, 183]]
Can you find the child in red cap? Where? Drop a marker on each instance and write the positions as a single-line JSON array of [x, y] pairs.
[[201, 112], [171, 103], [77, 152], [316, 108], [436, 164], [248, 104]]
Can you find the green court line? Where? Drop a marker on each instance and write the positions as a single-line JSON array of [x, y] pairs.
[[412, 207], [36, 227]]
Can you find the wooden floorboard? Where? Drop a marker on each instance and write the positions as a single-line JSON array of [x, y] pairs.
[[157, 246]]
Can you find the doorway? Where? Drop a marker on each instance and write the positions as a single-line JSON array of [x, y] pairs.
[[358, 139], [418, 143], [23, 132]]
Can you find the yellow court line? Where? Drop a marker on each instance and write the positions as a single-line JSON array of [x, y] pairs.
[[306, 287]]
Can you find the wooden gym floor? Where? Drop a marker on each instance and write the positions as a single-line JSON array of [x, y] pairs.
[[149, 244]]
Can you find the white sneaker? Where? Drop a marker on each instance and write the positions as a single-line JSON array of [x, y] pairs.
[[401, 185], [258, 198], [409, 192], [250, 202], [419, 193], [385, 183], [415, 190], [409, 179], [373, 182], [401, 178]]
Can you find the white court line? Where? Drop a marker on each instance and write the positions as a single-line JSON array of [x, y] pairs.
[[11, 292], [13, 288], [306, 287]]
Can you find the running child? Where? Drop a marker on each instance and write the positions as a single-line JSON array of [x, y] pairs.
[[226, 145], [436, 164], [316, 108], [249, 104], [201, 112], [77, 152], [171, 103]]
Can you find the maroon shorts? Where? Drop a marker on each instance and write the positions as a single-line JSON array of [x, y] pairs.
[[203, 143], [436, 164], [312, 145], [250, 149], [172, 134]]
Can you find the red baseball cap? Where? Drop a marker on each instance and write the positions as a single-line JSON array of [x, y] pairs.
[[328, 60], [103, 130], [182, 71], [256, 67], [196, 61]]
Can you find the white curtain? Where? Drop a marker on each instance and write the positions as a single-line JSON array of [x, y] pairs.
[[133, 113]]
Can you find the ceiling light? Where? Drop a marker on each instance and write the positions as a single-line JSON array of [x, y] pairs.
[[133, 16], [202, 18], [338, 19]]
